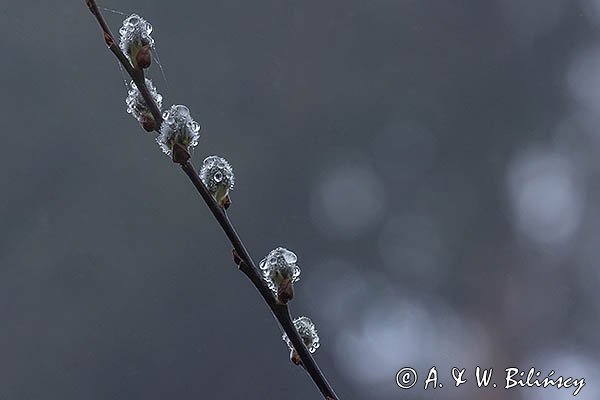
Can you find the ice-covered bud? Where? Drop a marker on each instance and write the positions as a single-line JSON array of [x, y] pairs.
[[217, 176], [136, 105], [135, 37], [178, 129], [280, 271], [308, 333]]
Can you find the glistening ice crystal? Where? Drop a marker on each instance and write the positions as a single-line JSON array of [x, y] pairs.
[[278, 265], [308, 333], [217, 176], [136, 105], [135, 33], [178, 127]]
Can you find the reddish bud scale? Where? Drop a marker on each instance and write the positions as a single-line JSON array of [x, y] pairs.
[[285, 291], [180, 154], [148, 123], [226, 202], [143, 58], [236, 258], [295, 358]]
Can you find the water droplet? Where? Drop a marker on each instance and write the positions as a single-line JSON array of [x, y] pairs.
[[194, 126], [133, 20], [215, 176], [218, 177], [288, 256], [182, 111]]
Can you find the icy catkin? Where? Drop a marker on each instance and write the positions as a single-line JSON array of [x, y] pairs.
[[308, 333], [136, 41], [280, 271], [136, 105], [178, 128], [217, 176]]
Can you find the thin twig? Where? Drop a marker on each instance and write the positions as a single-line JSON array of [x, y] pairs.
[[247, 266], [137, 75]]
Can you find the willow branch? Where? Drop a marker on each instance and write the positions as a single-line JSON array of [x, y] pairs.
[[136, 74], [248, 267], [246, 263]]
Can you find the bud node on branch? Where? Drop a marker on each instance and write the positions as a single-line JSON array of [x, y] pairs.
[[178, 133]]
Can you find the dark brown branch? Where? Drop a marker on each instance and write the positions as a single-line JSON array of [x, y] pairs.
[[246, 265], [137, 75]]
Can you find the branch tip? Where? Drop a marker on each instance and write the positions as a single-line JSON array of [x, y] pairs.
[[241, 257]]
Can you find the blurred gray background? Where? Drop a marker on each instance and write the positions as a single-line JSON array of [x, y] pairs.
[[434, 164]]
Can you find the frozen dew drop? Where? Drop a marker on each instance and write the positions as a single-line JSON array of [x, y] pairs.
[[194, 126], [134, 33], [289, 257], [182, 111], [175, 129], [136, 105], [278, 265], [218, 177], [307, 332]]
